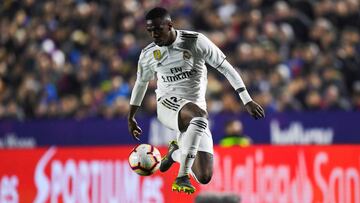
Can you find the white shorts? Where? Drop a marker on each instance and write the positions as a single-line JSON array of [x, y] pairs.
[[168, 109]]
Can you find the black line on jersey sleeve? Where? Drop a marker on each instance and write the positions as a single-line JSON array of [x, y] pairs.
[[241, 89], [220, 63], [188, 35], [191, 36]]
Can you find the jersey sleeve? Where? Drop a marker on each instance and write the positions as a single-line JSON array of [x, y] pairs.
[[144, 74], [209, 51], [235, 80], [144, 71]]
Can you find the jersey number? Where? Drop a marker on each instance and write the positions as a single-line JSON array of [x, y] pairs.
[[174, 99]]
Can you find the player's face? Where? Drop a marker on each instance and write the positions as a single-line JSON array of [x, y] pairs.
[[159, 31]]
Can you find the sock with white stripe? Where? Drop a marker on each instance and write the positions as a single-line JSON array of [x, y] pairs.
[[190, 144]]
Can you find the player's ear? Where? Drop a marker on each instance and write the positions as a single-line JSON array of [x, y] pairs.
[[170, 24]]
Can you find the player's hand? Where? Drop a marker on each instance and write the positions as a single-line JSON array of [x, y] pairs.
[[134, 129], [255, 110]]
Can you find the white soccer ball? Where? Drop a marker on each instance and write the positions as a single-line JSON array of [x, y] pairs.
[[145, 159]]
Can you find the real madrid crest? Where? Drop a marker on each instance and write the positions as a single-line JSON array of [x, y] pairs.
[[186, 55], [157, 54]]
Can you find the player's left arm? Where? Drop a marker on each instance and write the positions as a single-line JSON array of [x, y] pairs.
[[216, 58]]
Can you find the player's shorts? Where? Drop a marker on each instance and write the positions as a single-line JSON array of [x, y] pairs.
[[168, 109]]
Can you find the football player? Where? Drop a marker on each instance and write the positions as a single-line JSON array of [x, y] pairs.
[[177, 58]]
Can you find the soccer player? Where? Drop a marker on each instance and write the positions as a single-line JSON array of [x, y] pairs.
[[177, 58]]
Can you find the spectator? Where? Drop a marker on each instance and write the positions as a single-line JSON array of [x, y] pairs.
[[78, 58], [234, 135]]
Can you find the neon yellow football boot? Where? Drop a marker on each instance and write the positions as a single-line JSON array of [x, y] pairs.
[[183, 184]]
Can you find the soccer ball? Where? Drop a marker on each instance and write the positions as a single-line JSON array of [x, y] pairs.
[[145, 159]]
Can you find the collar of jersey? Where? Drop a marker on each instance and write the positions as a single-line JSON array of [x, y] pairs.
[[176, 40]]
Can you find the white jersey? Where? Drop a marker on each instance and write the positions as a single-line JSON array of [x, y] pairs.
[[180, 67]]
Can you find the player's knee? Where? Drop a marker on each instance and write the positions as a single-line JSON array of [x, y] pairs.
[[198, 112], [204, 178], [188, 112], [192, 110]]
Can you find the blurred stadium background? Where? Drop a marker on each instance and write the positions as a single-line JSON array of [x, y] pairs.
[[67, 68]]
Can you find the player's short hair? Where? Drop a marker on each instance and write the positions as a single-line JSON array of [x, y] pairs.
[[158, 12]]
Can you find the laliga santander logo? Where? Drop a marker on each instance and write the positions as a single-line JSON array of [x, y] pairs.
[[260, 182], [301, 187], [342, 184], [315, 179], [8, 189], [92, 181]]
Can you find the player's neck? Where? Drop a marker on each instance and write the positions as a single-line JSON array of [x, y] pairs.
[[172, 37]]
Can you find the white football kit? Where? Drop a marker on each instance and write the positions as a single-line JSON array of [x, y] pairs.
[[181, 76]]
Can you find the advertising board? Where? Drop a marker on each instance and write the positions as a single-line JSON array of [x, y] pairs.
[[261, 174]]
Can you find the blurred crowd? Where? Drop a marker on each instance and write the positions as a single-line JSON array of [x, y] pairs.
[[78, 58]]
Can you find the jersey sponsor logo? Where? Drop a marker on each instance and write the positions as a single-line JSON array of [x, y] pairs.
[[157, 54], [180, 76]]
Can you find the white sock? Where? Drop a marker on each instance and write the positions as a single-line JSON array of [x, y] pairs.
[[190, 144], [176, 155]]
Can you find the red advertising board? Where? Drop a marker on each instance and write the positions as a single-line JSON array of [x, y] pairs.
[[261, 174]]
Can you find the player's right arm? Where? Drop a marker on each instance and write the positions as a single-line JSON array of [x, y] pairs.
[[144, 74], [134, 128]]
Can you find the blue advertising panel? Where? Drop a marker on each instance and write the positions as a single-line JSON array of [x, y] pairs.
[[298, 128], [280, 128]]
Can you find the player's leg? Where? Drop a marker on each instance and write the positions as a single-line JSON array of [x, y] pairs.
[[202, 169], [187, 117], [193, 121], [168, 110]]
